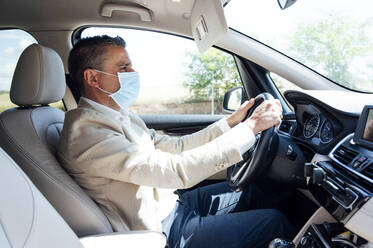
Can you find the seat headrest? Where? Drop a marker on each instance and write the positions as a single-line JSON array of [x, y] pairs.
[[39, 77]]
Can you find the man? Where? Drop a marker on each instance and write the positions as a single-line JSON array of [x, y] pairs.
[[120, 162]]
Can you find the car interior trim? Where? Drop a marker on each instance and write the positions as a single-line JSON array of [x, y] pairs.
[[331, 156]]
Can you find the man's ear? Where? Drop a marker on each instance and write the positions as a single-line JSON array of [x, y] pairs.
[[91, 77]]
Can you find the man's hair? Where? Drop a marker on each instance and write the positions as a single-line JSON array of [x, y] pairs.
[[90, 53]]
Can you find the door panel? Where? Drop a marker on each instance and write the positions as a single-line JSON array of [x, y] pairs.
[[179, 124]]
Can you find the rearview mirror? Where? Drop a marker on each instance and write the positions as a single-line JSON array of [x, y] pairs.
[[285, 3], [233, 99]]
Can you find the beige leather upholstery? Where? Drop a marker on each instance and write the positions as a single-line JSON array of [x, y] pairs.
[[28, 220], [127, 239], [30, 134], [361, 222], [26, 217], [39, 77]]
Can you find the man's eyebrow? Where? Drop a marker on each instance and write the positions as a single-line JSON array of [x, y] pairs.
[[124, 63]]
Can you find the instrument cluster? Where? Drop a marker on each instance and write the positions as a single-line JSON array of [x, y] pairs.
[[319, 127], [316, 124]]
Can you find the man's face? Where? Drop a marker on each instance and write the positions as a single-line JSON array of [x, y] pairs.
[[116, 60]]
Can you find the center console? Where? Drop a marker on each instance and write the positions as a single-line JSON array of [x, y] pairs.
[[329, 235], [344, 187]]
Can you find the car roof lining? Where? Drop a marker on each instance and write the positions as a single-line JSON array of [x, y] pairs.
[[39, 15]]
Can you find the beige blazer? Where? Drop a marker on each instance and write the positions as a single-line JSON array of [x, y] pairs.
[[120, 164]]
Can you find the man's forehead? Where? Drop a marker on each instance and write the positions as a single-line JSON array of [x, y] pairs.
[[124, 61], [118, 55]]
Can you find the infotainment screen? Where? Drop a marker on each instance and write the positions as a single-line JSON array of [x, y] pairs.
[[364, 130], [368, 130]]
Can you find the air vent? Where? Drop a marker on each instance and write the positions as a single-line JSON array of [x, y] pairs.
[[345, 155], [368, 171], [286, 127]]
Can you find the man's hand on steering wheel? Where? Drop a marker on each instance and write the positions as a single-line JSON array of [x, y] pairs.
[[266, 115], [240, 114], [261, 115]]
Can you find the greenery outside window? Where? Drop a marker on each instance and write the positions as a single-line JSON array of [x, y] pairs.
[[334, 37]]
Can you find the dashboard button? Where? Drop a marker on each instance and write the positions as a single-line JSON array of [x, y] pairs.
[[362, 159], [356, 164]]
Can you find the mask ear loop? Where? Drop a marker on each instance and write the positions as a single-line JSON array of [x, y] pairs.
[[105, 73], [105, 91]]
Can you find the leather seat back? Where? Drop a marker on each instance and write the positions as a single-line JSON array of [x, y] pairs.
[[30, 133], [26, 217], [28, 220]]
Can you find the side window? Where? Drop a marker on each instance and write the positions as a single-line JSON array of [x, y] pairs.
[[12, 44], [175, 78], [283, 85]]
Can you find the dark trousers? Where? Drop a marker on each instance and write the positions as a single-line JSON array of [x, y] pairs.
[[215, 216]]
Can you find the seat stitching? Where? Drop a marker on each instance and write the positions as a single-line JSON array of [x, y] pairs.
[[34, 213], [5, 234], [41, 71], [21, 173]]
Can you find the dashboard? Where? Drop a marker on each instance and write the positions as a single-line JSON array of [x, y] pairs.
[[316, 124], [342, 182]]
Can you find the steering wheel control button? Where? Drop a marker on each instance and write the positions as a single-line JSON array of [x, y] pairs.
[[290, 153], [290, 150], [281, 243]]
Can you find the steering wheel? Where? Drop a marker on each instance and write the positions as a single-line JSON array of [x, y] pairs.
[[259, 156]]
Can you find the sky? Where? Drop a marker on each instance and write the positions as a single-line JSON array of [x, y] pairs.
[[266, 22], [265, 19], [12, 43], [161, 60]]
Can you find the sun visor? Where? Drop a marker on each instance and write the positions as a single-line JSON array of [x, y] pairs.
[[208, 23]]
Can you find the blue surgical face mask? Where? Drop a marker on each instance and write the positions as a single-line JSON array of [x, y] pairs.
[[129, 89]]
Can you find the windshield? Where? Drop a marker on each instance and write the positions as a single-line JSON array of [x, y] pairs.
[[333, 37]]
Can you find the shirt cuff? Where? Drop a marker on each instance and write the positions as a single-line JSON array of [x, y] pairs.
[[223, 125], [244, 137]]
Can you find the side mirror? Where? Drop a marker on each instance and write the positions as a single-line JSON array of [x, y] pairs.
[[285, 3], [233, 99]]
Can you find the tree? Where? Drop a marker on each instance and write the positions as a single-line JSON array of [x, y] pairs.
[[330, 45], [210, 74]]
